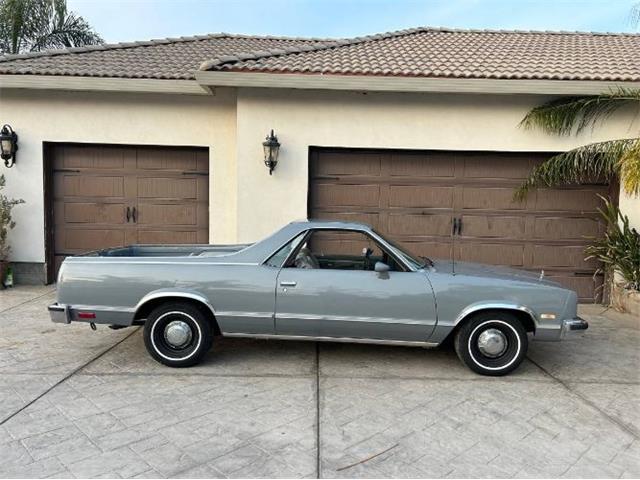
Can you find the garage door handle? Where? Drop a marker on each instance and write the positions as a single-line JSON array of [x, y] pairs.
[[128, 214]]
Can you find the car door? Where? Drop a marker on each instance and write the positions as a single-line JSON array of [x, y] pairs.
[[337, 293]]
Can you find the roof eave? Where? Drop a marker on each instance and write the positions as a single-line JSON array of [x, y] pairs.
[[407, 84], [138, 85]]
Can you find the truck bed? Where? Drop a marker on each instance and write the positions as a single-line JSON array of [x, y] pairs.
[[183, 250]]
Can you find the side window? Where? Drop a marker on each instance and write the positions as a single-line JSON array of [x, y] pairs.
[[278, 258], [341, 250]]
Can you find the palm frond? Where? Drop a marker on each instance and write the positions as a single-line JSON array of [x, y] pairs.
[[41, 24], [630, 170], [600, 161], [564, 115]]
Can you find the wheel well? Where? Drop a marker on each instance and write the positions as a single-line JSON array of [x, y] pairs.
[[524, 317], [143, 312]]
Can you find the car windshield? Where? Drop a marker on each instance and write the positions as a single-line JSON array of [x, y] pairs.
[[413, 260]]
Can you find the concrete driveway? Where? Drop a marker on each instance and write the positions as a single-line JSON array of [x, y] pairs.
[[78, 403]]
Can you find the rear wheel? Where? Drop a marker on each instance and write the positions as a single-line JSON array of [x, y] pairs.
[[177, 334], [492, 343]]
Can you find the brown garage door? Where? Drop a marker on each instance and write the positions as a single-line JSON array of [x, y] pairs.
[[414, 197], [109, 196]]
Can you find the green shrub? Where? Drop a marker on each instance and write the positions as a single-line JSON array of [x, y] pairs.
[[6, 222], [619, 249]]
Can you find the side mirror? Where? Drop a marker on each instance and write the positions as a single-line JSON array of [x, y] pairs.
[[381, 267]]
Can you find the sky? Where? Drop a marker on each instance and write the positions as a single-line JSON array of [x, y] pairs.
[[129, 20]]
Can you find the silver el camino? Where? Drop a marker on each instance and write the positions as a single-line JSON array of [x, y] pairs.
[[314, 280]]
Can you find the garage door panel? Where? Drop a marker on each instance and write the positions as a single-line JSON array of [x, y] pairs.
[[566, 228], [408, 224], [167, 214], [347, 195], [432, 249], [167, 236], [487, 198], [491, 253], [90, 186], [587, 287], [358, 164], [425, 165], [162, 187], [506, 167], [546, 256], [91, 158], [88, 212], [167, 159], [493, 226], [87, 239], [569, 200], [419, 196]]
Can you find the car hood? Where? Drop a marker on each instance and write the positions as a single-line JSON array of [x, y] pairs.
[[491, 271]]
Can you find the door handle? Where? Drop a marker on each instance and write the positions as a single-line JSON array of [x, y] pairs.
[[460, 226], [128, 214], [133, 214], [455, 226], [285, 283]]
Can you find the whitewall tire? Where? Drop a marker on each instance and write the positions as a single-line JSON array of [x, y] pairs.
[[492, 343]]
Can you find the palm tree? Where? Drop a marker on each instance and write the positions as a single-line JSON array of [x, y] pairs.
[[619, 158], [34, 25]]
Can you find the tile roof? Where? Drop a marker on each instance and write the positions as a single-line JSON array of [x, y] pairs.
[[171, 58], [433, 52], [418, 52]]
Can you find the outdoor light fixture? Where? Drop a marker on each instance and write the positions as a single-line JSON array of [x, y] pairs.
[[271, 148], [8, 145]]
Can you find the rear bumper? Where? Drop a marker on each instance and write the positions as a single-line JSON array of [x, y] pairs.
[[64, 313], [59, 313]]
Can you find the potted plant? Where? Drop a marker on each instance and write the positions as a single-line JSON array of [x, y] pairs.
[[6, 224]]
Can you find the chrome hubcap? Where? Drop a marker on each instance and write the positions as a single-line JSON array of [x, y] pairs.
[[177, 333], [492, 343]]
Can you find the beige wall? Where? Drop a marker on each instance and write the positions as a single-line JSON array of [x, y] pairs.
[[246, 203], [151, 119], [383, 120]]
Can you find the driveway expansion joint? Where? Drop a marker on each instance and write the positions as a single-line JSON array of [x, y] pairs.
[[628, 429], [65, 378]]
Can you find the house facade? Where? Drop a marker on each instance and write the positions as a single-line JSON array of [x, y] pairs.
[[161, 142]]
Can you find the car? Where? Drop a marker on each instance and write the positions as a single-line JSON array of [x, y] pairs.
[[314, 280]]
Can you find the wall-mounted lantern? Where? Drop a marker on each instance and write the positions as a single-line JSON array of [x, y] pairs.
[[8, 145], [271, 148]]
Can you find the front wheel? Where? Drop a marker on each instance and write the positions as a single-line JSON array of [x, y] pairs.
[[492, 343], [177, 334]]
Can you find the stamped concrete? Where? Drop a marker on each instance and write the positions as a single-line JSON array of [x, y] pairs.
[[78, 403]]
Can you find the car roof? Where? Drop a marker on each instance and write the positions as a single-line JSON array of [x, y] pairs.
[[337, 224]]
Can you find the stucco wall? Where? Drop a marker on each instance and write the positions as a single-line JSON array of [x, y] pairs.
[[377, 120], [143, 119]]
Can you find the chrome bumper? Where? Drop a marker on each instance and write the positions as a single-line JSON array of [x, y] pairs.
[[59, 313], [573, 325]]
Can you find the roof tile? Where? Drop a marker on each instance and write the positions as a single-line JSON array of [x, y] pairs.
[[418, 52]]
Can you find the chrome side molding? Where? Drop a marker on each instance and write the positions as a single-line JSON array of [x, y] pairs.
[[399, 343]]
